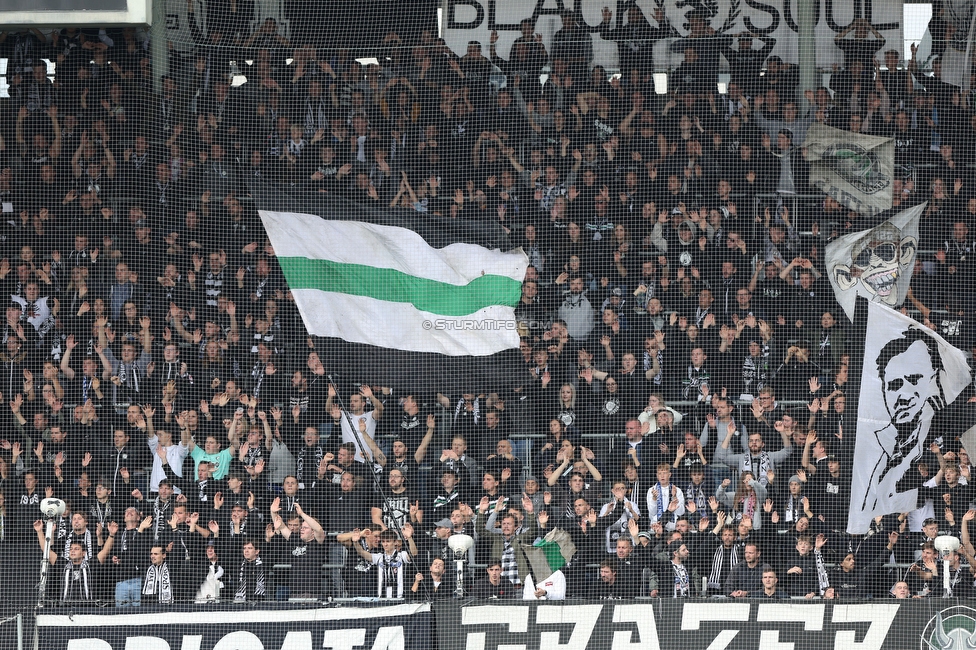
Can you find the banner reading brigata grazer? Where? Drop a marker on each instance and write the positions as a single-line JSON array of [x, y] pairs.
[[391, 627], [909, 376], [680, 624], [474, 20]]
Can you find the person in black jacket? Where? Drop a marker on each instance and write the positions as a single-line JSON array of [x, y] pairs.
[[437, 584], [130, 555], [492, 585], [800, 579], [745, 579], [252, 579]]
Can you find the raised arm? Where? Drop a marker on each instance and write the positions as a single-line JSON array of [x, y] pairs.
[[374, 449], [39, 529], [106, 552], [313, 523], [421, 452]]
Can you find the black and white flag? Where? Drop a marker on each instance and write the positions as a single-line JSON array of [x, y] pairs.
[[909, 376], [876, 264], [854, 169]]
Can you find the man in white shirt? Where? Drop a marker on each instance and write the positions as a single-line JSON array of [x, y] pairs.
[[162, 444], [356, 413]]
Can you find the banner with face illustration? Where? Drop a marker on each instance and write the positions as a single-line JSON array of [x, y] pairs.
[[875, 263], [853, 169], [909, 376]]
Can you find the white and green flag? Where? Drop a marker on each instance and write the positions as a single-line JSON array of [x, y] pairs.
[[386, 286], [855, 170]]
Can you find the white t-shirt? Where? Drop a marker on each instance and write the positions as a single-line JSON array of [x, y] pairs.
[[355, 438], [174, 456]]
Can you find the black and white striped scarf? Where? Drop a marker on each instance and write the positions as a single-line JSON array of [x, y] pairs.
[[80, 573], [509, 565], [83, 538], [157, 583], [682, 581], [823, 579], [475, 410], [101, 513], [718, 564], [160, 510]]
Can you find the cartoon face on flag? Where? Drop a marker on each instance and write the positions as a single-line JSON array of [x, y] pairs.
[[875, 263], [910, 374]]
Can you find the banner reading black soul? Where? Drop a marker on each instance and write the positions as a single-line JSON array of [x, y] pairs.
[[396, 627]]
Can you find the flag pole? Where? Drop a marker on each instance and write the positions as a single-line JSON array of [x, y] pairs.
[[376, 482], [968, 68]]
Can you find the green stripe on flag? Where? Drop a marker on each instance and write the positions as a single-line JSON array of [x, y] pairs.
[[395, 286]]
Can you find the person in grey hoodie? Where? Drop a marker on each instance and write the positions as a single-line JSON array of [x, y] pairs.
[[576, 309]]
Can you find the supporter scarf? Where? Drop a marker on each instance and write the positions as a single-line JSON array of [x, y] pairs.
[[509, 565], [792, 511], [157, 583], [682, 583], [749, 505], [253, 572], [953, 581], [296, 148], [660, 498], [823, 579], [159, 515], [123, 375], [697, 494], [718, 564], [649, 365], [83, 577], [443, 499], [475, 411], [316, 117], [317, 452], [749, 464], [84, 538], [102, 514]]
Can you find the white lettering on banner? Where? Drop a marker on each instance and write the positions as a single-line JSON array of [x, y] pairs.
[[389, 638], [515, 618], [192, 641], [300, 641], [722, 640], [239, 640], [643, 615], [812, 617], [879, 615], [692, 614], [147, 643], [474, 20], [583, 618], [88, 644], [769, 640]]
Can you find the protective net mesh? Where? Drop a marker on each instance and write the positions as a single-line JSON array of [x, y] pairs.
[[309, 305]]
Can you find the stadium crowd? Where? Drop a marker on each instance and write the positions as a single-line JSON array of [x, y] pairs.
[[680, 412]]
